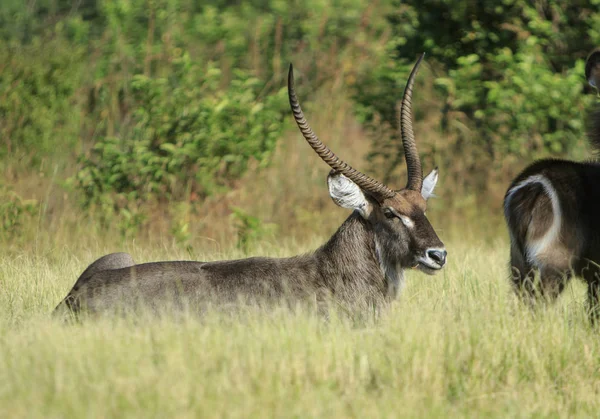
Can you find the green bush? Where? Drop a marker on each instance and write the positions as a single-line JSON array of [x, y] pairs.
[[250, 229], [37, 83], [188, 135], [509, 76], [530, 110], [15, 213]]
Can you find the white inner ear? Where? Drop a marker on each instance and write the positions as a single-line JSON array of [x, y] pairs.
[[429, 184], [347, 194]]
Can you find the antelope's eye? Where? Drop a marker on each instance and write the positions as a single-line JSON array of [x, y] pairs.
[[388, 213]]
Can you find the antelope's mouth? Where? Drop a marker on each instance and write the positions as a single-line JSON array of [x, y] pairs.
[[429, 270], [428, 266]]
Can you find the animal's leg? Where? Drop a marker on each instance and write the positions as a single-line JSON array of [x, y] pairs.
[[553, 282], [591, 274], [522, 275]]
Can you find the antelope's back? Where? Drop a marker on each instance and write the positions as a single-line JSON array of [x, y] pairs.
[[183, 283]]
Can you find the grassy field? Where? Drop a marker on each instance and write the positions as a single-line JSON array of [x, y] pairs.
[[456, 344]]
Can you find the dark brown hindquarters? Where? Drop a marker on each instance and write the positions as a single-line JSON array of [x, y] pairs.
[[529, 216]]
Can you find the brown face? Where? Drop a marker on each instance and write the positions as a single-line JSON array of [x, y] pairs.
[[404, 231]]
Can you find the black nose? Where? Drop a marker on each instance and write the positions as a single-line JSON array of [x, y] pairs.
[[438, 256]]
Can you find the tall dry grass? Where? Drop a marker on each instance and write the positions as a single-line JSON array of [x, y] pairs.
[[455, 345]]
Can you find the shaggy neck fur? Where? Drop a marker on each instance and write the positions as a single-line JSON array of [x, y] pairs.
[[352, 260]]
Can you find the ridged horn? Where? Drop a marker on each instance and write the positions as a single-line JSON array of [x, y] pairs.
[[374, 188], [413, 163]]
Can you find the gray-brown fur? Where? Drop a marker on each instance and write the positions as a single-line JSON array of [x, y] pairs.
[[531, 217], [109, 262], [347, 265], [361, 265]]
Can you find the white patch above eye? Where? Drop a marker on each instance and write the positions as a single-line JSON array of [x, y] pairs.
[[429, 183], [347, 194], [407, 221]]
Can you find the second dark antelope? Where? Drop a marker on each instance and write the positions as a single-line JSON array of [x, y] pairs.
[[363, 261], [553, 214]]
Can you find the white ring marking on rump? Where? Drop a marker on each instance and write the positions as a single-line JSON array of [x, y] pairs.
[[536, 247]]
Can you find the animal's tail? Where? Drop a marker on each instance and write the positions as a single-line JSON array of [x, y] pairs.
[[592, 74], [517, 214]]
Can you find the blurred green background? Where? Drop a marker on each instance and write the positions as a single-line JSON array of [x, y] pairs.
[[160, 120]]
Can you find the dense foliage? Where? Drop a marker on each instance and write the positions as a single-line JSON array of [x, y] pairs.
[[138, 101], [187, 136], [167, 86], [509, 74]]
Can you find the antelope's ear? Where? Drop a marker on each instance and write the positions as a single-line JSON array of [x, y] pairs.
[[592, 69], [429, 183], [347, 194]]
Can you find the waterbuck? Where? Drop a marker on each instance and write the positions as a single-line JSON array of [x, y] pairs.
[[552, 210], [364, 260]]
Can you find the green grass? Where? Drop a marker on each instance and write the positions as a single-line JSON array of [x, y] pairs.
[[456, 344]]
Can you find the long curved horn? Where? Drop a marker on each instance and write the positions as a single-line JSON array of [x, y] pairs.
[[413, 163], [376, 189]]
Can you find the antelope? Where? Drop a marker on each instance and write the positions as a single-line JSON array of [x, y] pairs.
[[386, 233], [552, 210]]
